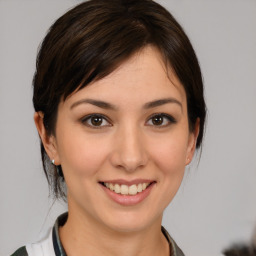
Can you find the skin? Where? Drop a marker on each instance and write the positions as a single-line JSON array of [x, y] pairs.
[[127, 145]]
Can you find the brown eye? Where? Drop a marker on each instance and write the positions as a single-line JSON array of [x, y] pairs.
[[157, 120], [161, 120], [95, 121]]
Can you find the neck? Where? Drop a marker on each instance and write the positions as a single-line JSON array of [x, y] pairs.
[[84, 236]]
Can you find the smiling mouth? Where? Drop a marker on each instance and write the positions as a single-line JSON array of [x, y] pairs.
[[123, 189]]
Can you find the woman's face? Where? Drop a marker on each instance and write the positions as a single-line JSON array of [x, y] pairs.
[[121, 134]]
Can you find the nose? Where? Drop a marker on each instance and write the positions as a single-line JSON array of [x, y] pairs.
[[129, 151]]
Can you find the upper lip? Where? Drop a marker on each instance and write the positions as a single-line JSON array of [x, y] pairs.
[[128, 182]]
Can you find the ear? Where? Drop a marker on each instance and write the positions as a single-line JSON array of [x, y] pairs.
[[48, 141], [192, 142]]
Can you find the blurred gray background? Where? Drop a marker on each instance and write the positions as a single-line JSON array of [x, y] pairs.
[[216, 204]]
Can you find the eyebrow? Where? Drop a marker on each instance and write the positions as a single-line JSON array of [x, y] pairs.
[[106, 105], [98, 103], [160, 102]]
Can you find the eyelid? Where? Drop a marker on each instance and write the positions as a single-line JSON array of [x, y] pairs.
[[87, 117], [171, 119]]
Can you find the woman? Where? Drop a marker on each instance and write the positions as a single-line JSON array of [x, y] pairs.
[[119, 107]]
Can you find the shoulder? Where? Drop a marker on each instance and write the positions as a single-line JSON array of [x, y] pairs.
[[20, 252], [42, 247], [50, 245]]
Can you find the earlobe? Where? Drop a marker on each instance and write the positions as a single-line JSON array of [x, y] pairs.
[[192, 142], [48, 141]]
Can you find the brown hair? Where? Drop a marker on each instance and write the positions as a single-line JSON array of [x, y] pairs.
[[93, 39]]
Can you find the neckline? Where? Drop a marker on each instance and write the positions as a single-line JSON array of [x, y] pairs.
[[59, 249]]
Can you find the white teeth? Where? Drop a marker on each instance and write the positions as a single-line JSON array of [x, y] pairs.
[[111, 187], [133, 190], [139, 188], [126, 190], [117, 188]]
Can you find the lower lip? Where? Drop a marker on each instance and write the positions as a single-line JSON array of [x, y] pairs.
[[129, 200]]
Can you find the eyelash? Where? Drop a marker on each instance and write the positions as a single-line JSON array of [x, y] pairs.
[[89, 117], [170, 120]]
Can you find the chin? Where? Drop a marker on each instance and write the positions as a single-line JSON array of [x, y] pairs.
[[131, 221]]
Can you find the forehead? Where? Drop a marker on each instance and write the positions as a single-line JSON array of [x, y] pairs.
[[142, 77]]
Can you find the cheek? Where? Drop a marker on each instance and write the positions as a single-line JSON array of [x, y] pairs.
[[81, 155], [169, 158], [170, 154]]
